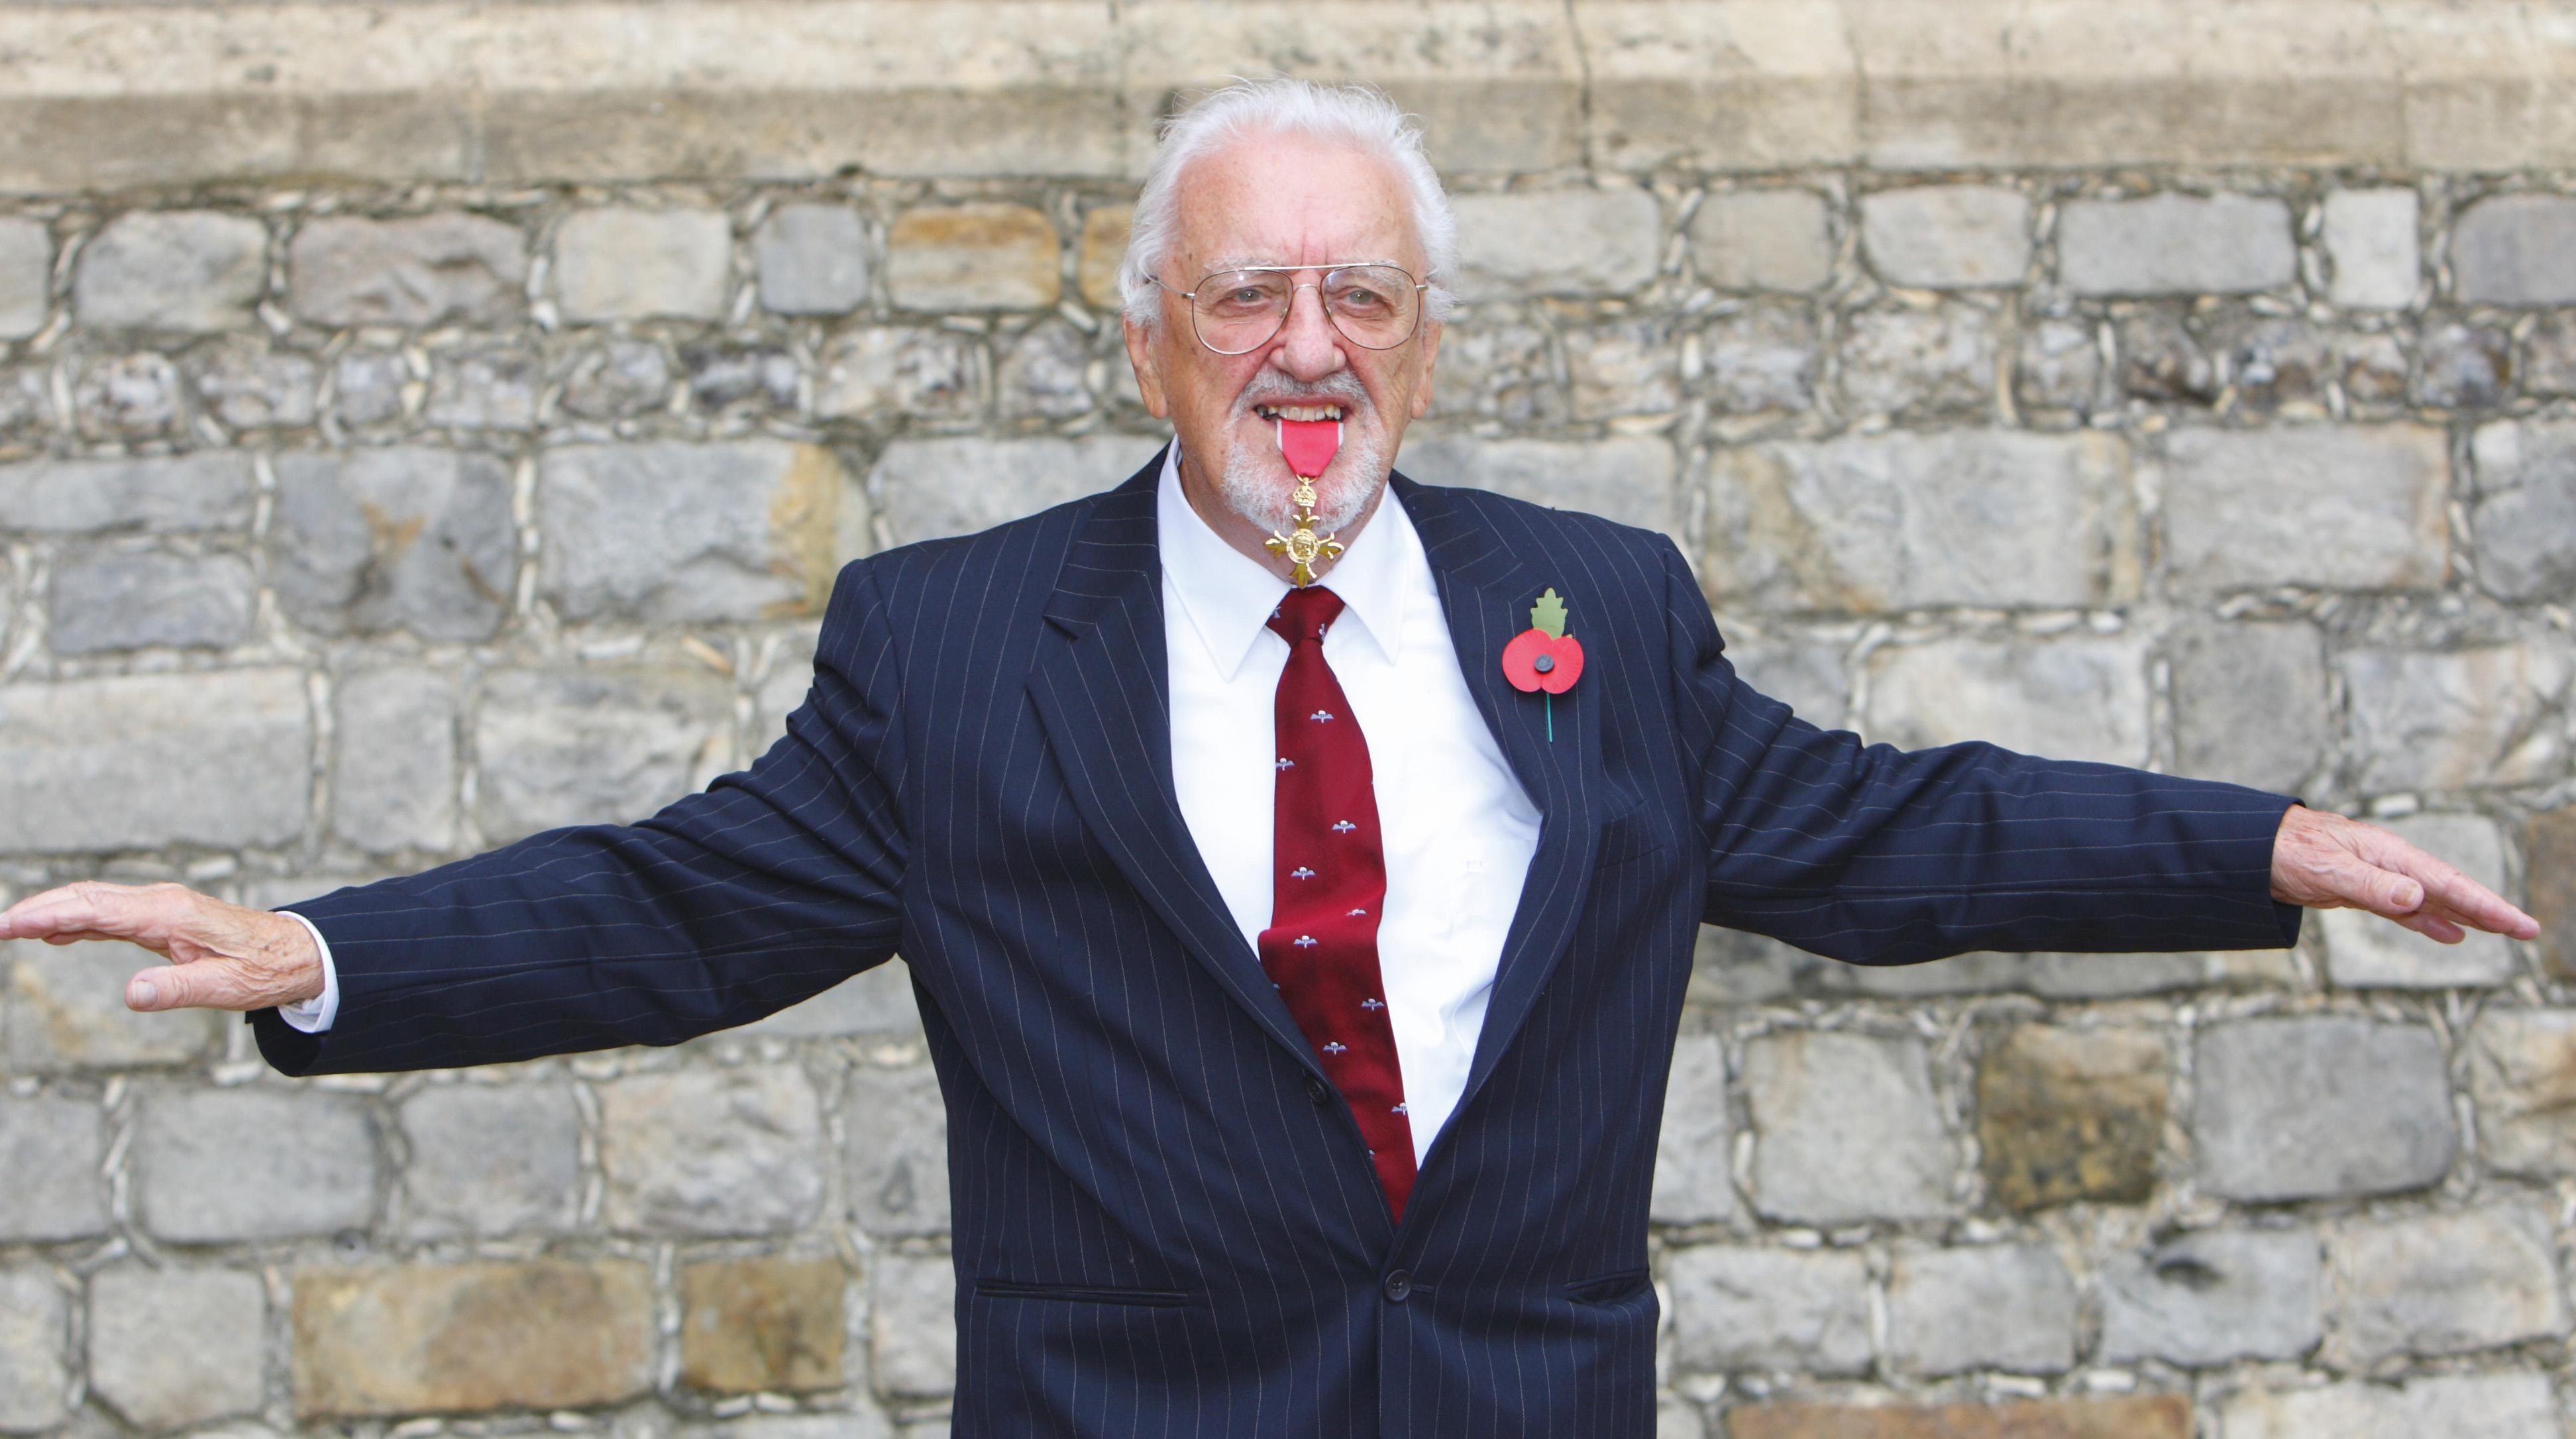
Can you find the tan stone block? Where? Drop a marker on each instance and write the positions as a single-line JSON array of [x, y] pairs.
[[2487, 86], [2522, 1073], [2068, 1114], [1104, 245], [66, 1010], [973, 257], [2549, 858], [755, 1325], [1733, 85], [549, 1334], [2162, 1416]]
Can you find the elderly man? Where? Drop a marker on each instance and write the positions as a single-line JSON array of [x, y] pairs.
[[1298, 868]]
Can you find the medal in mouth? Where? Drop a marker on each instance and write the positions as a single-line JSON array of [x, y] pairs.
[[1308, 445]]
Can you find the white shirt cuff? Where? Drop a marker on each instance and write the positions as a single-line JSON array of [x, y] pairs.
[[314, 1015]]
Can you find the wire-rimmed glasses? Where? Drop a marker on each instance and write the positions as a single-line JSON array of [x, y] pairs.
[[1374, 305]]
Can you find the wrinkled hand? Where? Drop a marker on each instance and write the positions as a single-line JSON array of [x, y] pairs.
[[222, 956], [2325, 861]]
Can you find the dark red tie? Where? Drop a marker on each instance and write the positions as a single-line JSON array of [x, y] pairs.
[[1327, 882]]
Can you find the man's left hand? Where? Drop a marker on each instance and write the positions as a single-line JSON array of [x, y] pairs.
[[2325, 861]]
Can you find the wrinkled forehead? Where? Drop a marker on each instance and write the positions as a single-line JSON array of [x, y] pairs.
[[1292, 200]]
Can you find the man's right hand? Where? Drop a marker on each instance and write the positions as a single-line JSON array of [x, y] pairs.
[[222, 956]]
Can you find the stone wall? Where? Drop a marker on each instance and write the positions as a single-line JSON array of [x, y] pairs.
[[364, 504]]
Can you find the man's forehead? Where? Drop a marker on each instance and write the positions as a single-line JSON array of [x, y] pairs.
[[1293, 200]]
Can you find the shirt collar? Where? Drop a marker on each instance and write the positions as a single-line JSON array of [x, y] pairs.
[[1228, 597]]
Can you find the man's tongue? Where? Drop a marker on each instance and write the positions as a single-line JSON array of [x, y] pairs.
[[1308, 445]]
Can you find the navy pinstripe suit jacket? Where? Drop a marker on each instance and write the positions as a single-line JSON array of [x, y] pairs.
[[1165, 1221]]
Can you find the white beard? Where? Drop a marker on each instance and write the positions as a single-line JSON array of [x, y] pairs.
[[1250, 484]]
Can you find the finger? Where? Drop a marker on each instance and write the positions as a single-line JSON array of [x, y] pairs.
[[2463, 899], [2432, 926], [196, 986], [2384, 892], [92, 910]]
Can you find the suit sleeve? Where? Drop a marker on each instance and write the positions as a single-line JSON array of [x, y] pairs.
[[767, 887], [1876, 855]]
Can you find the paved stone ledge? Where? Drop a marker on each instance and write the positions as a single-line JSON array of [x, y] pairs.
[[122, 94]]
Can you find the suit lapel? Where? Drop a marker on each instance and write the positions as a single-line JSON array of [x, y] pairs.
[[1486, 593], [1102, 691]]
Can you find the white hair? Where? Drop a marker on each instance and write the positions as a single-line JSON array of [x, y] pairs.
[[1356, 114]]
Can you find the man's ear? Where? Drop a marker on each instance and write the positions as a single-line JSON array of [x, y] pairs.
[[1430, 338], [1149, 374]]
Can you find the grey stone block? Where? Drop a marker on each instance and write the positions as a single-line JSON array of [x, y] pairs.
[[1559, 242], [2549, 356], [1763, 240], [1947, 237], [250, 387], [2372, 370], [2333, 508], [374, 540], [723, 377], [1628, 479], [2214, 1298], [813, 260], [620, 263], [2378, 261], [594, 747], [1765, 357], [886, 374], [873, 1002], [1847, 1129], [2453, 1406], [2526, 509], [2457, 720], [2163, 362], [712, 1152], [1502, 372], [898, 1138], [35, 1368], [1041, 375], [912, 1325], [394, 787], [2280, 366], [421, 270], [740, 530], [2441, 1284], [491, 1159], [2464, 367], [1693, 1180], [129, 397], [2365, 951], [1632, 367], [191, 270], [2516, 250], [2522, 1073], [2320, 1107], [67, 1012], [1769, 1310], [1919, 361], [26, 276], [1902, 521], [1810, 678], [2063, 976], [2075, 697], [368, 387], [1989, 1306], [318, 1159], [486, 387], [930, 488], [861, 1419], [2250, 704], [222, 760], [126, 599], [2059, 368], [617, 378], [174, 1347], [52, 1147], [2175, 245]]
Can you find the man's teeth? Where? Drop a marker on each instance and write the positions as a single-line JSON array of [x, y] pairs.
[[1298, 412]]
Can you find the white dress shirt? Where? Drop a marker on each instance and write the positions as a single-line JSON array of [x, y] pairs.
[[1458, 828]]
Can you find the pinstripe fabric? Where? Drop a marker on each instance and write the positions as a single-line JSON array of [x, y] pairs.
[[1159, 1228]]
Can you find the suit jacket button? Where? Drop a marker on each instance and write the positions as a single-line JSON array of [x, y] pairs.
[[1399, 1286], [1316, 1091]]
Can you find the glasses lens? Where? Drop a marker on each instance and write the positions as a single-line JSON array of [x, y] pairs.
[[1239, 310], [1372, 305]]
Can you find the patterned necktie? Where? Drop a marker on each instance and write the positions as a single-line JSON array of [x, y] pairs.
[[1327, 882]]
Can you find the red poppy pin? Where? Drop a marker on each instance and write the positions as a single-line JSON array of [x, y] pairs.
[[1544, 656]]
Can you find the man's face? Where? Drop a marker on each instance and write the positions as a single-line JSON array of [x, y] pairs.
[[1285, 200]]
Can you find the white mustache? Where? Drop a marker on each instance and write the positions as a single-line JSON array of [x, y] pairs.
[[1264, 390]]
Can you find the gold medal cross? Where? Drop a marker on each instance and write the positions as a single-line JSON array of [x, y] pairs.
[[1302, 546]]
